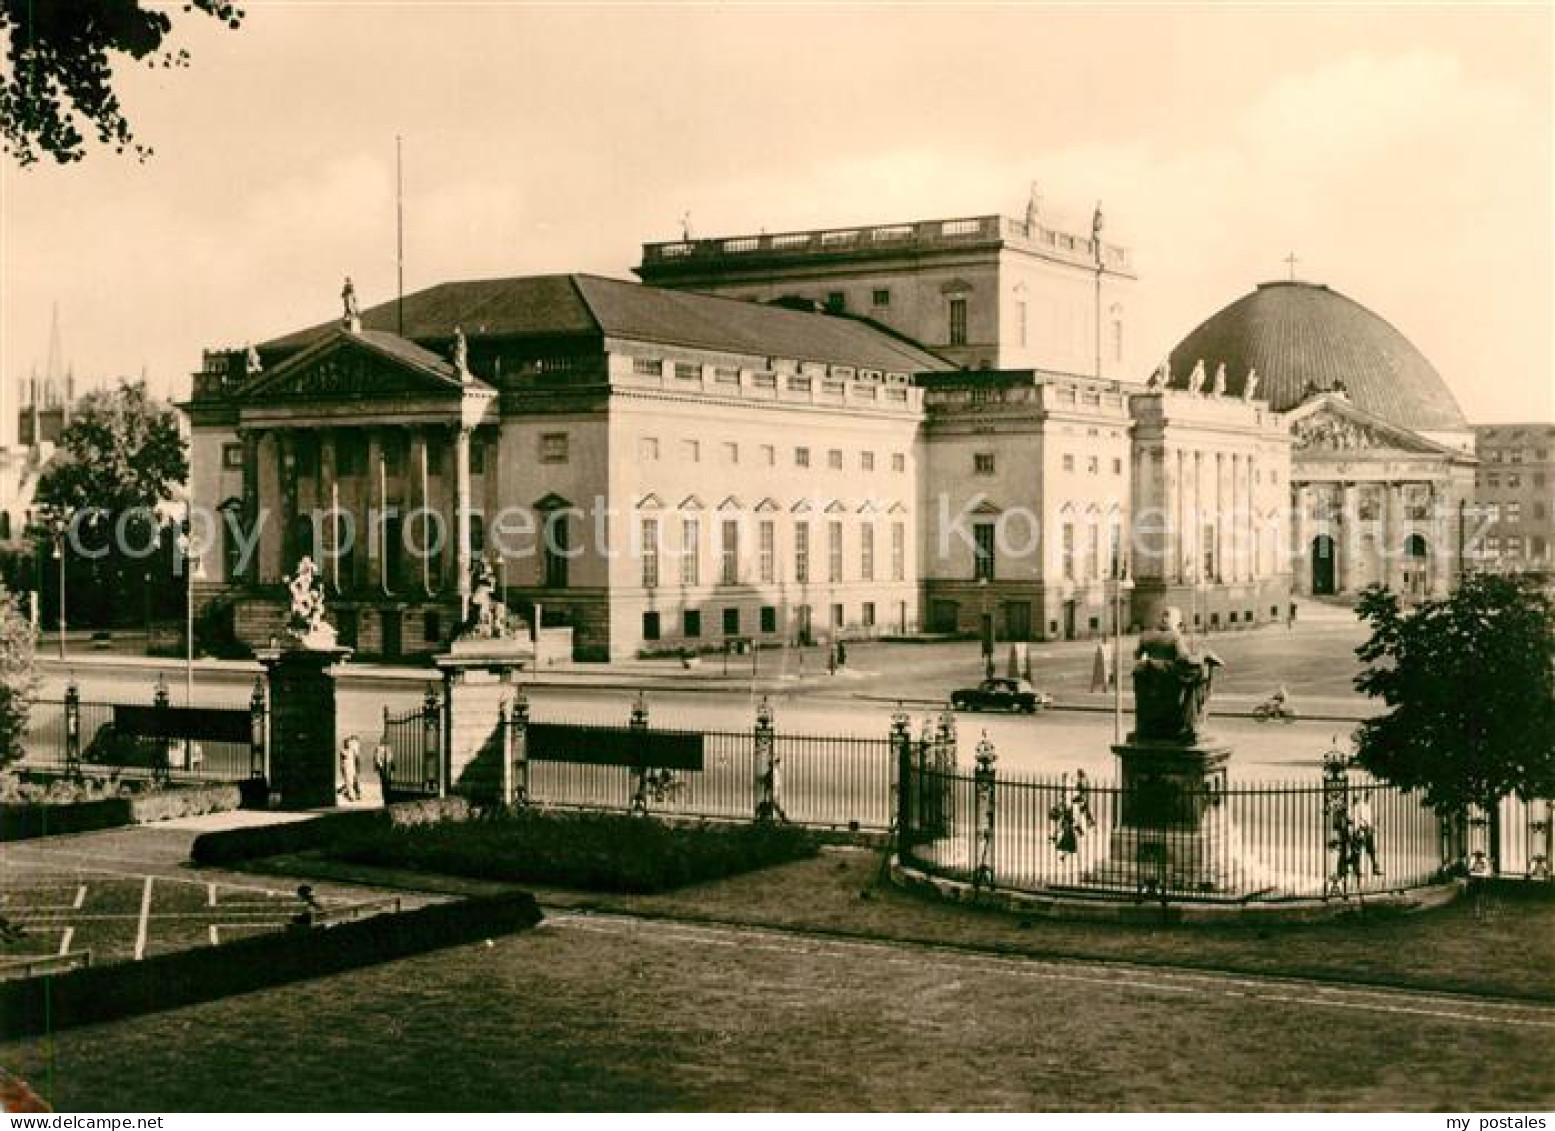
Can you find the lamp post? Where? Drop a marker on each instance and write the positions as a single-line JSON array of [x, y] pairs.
[[193, 567], [59, 554], [1123, 583]]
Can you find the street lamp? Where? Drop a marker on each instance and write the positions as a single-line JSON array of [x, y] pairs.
[[59, 554], [193, 567]]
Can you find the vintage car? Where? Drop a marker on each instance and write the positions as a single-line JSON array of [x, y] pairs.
[[1001, 695]]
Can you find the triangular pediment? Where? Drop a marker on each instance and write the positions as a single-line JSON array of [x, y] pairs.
[[1330, 424], [366, 365], [767, 506]]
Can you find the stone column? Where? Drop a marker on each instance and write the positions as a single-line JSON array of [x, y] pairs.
[[1301, 538], [1440, 549], [1348, 541], [1392, 535], [249, 517], [462, 505], [1178, 568], [421, 528], [304, 763], [370, 562], [327, 500]]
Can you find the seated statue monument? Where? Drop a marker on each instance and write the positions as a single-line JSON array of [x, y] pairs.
[[1172, 684]]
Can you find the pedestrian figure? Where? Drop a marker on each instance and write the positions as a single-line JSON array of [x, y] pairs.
[[310, 908], [1290, 617], [383, 763], [350, 783], [1081, 802], [1363, 835]]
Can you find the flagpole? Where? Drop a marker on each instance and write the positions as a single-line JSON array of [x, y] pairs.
[[399, 235]]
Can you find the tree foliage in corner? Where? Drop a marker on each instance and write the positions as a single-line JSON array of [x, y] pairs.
[[1470, 685], [18, 677], [58, 74]]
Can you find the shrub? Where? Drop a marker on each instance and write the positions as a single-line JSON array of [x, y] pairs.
[[18, 677], [233, 845], [595, 852], [34, 809]]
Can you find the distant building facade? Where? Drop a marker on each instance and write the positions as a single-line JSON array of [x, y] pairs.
[[1514, 491]]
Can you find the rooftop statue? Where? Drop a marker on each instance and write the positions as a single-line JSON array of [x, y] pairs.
[[1034, 209], [351, 312], [461, 354], [1252, 385], [1161, 378], [305, 623], [1219, 387], [1172, 684], [1196, 378]]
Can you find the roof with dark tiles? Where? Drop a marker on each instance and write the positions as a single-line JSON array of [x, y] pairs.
[[551, 305], [1298, 334]]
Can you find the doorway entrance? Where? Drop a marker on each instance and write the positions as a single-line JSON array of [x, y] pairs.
[[1322, 566]]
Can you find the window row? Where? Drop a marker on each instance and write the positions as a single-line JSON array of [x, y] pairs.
[[1092, 464], [734, 562], [731, 454], [735, 624]]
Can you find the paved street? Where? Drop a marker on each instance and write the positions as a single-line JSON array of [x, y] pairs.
[[1314, 661]]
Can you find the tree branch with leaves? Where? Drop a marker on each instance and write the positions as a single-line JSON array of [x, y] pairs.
[[58, 77]]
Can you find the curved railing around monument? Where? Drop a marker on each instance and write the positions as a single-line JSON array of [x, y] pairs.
[[1256, 841]]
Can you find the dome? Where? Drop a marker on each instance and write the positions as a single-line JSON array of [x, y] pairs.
[[1299, 334]]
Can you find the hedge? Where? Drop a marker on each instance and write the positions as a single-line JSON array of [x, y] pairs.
[[233, 845], [586, 851], [27, 820], [167, 981]]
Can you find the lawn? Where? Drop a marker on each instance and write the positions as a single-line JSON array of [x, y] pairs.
[[588, 1015]]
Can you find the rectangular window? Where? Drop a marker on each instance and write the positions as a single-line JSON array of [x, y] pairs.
[[431, 627], [1020, 322], [1117, 467], [866, 565], [688, 371], [766, 539], [1093, 553], [731, 622], [1514, 512], [1093, 465], [801, 457], [802, 553], [1068, 462], [1514, 545], [557, 549], [1513, 482], [881, 297], [958, 321], [650, 626], [690, 551], [898, 461], [691, 623], [768, 618], [647, 367], [1207, 552], [983, 551], [898, 551], [1068, 551], [834, 459], [834, 551], [553, 447], [650, 552], [731, 452], [232, 456], [836, 616], [1115, 547], [868, 616], [648, 449], [691, 451], [729, 569], [769, 455], [866, 461], [982, 463], [1117, 339]]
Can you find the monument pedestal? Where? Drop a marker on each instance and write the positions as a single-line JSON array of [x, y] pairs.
[[478, 684], [304, 766], [1172, 830]]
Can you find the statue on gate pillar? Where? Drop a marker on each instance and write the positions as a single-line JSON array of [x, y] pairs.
[[1172, 684]]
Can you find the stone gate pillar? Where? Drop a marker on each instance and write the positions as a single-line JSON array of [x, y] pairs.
[[304, 764]]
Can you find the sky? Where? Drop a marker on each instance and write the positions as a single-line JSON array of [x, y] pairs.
[[1402, 152]]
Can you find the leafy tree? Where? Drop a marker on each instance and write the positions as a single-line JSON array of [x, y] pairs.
[[121, 456], [59, 67], [18, 677], [1470, 683]]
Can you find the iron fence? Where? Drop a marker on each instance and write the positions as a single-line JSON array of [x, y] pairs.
[[414, 739], [70, 735], [1346, 836]]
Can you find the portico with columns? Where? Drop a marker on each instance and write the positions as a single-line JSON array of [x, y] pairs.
[[377, 458], [1373, 503]]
